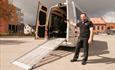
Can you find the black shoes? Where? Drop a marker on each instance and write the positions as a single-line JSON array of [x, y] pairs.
[[73, 60], [84, 62]]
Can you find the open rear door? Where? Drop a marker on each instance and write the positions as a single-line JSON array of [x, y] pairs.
[[71, 22], [41, 21]]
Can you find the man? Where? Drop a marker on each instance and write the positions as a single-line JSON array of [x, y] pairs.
[[85, 38]]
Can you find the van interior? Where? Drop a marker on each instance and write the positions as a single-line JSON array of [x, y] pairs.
[[57, 24]]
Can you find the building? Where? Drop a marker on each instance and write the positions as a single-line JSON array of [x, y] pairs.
[[99, 24], [13, 19], [16, 18], [4, 16], [110, 25], [10, 17], [28, 29]]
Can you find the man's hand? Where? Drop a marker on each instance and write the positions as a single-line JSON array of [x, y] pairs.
[[89, 41]]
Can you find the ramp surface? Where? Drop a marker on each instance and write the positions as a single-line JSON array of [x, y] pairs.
[[30, 59]]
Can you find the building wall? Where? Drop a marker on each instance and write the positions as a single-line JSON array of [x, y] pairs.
[[4, 16], [8, 17], [110, 25], [3, 26], [99, 28], [99, 25], [103, 27]]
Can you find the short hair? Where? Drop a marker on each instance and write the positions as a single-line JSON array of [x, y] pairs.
[[84, 14]]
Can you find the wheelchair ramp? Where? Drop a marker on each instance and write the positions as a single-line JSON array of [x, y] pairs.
[[29, 60]]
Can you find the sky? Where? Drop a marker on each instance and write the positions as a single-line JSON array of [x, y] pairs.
[[99, 8], [94, 8]]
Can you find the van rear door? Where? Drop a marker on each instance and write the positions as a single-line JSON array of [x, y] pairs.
[[41, 21], [71, 23]]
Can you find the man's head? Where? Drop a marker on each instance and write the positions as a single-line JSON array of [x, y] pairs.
[[83, 17]]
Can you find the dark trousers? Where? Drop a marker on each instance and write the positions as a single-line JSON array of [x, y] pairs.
[[82, 43]]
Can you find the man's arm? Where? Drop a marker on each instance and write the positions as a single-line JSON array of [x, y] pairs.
[[91, 35]]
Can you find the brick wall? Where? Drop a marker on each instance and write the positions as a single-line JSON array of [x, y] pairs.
[[8, 16], [110, 25], [4, 16]]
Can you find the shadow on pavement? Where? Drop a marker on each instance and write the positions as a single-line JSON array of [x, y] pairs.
[[95, 49], [10, 42], [103, 59], [98, 48]]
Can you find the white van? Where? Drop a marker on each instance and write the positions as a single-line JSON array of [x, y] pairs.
[[58, 21], [58, 25]]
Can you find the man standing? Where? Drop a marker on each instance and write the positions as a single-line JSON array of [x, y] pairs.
[[85, 38]]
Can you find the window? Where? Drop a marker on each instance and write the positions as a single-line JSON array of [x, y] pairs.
[[78, 12], [97, 27], [94, 27], [42, 18], [101, 27], [44, 8]]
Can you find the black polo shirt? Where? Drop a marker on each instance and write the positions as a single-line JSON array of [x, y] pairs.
[[85, 28]]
